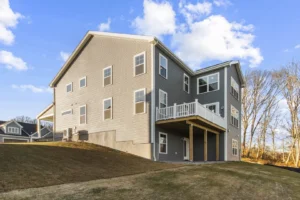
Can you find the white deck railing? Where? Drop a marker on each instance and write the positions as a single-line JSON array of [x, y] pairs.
[[189, 109]]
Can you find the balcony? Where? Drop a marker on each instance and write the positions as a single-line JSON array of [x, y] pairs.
[[193, 109]]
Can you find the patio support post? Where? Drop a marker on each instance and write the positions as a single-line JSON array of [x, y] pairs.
[[205, 145], [191, 143], [217, 146], [38, 124]]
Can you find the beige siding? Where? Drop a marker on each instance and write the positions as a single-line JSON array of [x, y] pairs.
[[101, 52]]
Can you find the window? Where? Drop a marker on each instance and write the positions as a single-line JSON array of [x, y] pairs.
[[69, 87], [139, 64], [208, 83], [13, 130], [163, 143], [107, 108], [234, 120], [186, 83], [140, 101], [82, 82], [163, 99], [107, 76], [67, 112], [234, 147], [234, 89], [214, 107], [163, 66], [82, 112]]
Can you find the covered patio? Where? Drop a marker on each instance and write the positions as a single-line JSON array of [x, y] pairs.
[[46, 115]]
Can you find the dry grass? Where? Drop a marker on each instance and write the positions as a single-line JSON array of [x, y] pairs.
[[44, 164], [212, 181]]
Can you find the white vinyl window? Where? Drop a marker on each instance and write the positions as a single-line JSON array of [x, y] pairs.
[[107, 108], [186, 83], [82, 82], [163, 99], [234, 119], [13, 130], [163, 66], [208, 83], [234, 90], [214, 107], [234, 147], [67, 112], [107, 76], [140, 101], [82, 113], [69, 87], [163, 143], [140, 64]]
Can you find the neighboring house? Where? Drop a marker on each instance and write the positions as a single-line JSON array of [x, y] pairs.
[[133, 94], [13, 131], [46, 135]]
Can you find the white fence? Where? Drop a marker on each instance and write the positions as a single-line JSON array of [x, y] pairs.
[[189, 109]]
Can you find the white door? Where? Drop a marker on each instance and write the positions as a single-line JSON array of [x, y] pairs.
[[186, 148]]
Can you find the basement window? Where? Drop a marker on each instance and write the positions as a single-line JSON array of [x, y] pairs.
[[163, 143]]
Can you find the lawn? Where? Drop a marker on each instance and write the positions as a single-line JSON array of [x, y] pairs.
[[44, 164], [231, 180]]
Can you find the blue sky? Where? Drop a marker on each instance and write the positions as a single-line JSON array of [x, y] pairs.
[[36, 37]]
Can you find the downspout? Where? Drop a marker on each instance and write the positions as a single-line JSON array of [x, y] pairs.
[[153, 43], [54, 115], [225, 113]]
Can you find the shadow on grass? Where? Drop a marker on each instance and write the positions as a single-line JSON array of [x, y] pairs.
[[293, 169]]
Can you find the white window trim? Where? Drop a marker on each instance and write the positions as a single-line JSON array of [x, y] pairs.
[[71, 87], [134, 66], [67, 111], [217, 104], [159, 97], [85, 82], [144, 89], [111, 110], [238, 91], [85, 114], [198, 92], [185, 75], [111, 75], [237, 147], [166, 66], [238, 125], [161, 133], [9, 130]]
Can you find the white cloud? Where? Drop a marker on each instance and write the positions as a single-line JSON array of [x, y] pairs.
[[32, 88], [220, 3], [64, 55], [194, 11], [158, 19], [215, 38], [12, 62], [286, 50], [105, 26], [297, 46], [8, 19]]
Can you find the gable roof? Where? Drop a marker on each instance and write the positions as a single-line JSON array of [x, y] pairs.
[[90, 34], [27, 128]]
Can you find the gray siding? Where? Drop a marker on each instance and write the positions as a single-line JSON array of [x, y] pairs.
[[13, 124]]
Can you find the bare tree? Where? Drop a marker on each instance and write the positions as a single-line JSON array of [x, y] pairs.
[[25, 119]]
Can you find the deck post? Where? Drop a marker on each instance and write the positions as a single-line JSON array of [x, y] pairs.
[[196, 106], [174, 111], [205, 145], [157, 118], [191, 143], [217, 147]]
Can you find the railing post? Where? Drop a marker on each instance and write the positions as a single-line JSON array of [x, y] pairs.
[[157, 113], [196, 106], [174, 111]]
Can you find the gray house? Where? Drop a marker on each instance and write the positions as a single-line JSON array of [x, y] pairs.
[[131, 93], [13, 131]]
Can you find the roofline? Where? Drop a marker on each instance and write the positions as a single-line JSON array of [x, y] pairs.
[[10, 121], [45, 110]]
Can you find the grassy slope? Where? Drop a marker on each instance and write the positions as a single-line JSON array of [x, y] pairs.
[[44, 164]]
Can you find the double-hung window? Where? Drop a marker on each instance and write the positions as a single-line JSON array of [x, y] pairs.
[[69, 87], [163, 66], [163, 99], [234, 147], [107, 108], [208, 83], [13, 130], [234, 88], [140, 101], [82, 82], [186, 83], [234, 119], [163, 143], [82, 113], [107, 76], [139, 64]]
